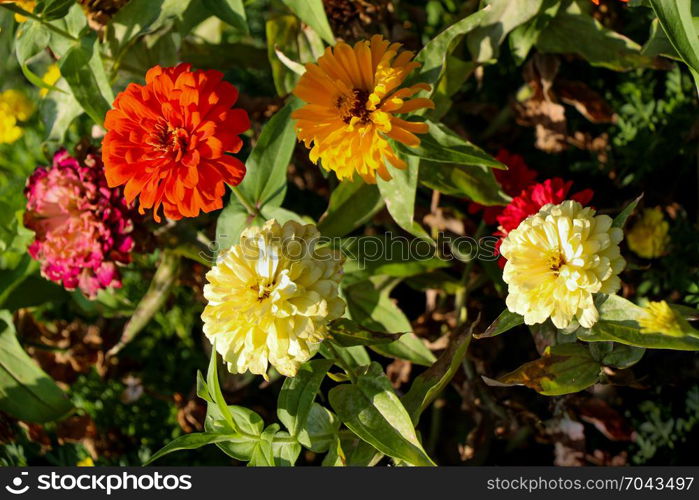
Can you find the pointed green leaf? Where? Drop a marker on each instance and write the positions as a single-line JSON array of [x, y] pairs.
[[563, 369], [26, 392], [373, 412], [190, 442], [312, 13], [298, 393], [506, 321]]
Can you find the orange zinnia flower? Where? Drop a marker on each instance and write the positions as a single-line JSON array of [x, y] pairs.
[[353, 95], [167, 141]]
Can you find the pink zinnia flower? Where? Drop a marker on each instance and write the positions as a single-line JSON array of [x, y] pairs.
[[82, 227], [530, 201], [513, 181]]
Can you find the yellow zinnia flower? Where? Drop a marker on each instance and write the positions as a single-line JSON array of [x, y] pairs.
[[15, 103], [557, 259], [352, 98], [86, 462], [52, 75], [270, 298], [660, 318], [648, 237]]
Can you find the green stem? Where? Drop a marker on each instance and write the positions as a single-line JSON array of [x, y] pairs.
[[462, 295], [31, 15], [339, 362], [252, 210]]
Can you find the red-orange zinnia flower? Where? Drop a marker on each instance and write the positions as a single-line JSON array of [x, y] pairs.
[[167, 141]]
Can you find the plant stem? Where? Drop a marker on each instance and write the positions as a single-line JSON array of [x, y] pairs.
[[252, 210], [31, 15], [339, 362], [462, 295]]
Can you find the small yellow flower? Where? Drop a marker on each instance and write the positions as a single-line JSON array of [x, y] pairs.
[[27, 5], [557, 259], [648, 237], [660, 318], [15, 103], [9, 131], [352, 97], [52, 75], [86, 462], [270, 298]]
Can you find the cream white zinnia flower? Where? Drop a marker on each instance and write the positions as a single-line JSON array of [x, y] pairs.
[[557, 259], [270, 298]]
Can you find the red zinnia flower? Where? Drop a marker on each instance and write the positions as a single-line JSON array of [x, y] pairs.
[[530, 201], [513, 181], [167, 141], [82, 228]]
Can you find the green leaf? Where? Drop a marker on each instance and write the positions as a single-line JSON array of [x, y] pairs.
[[352, 203], [282, 34], [11, 278], [140, 17], [620, 220], [430, 383], [298, 393], [563, 369], [335, 456], [603, 47], [242, 441], [456, 73], [676, 20], [373, 412], [399, 257], [320, 430], [399, 196], [215, 389], [158, 292], [616, 355], [312, 13], [58, 110], [374, 309], [230, 11], [444, 146], [263, 454], [434, 54], [524, 37], [476, 183], [32, 38], [285, 449], [505, 321], [190, 442], [347, 333], [54, 9], [265, 180], [26, 392], [619, 323], [501, 18], [352, 357], [82, 68], [232, 220]]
